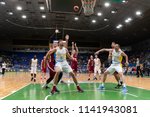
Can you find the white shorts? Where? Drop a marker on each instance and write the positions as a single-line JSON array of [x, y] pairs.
[[97, 70], [64, 66], [33, 70], [115, 67]]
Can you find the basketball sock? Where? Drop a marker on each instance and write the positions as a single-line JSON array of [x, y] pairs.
[[124, 85], [103, 84], [119, 82]]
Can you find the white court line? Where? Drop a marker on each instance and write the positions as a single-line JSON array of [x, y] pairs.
[[108, 83], [15, 91], [89, 91], [132, 95]]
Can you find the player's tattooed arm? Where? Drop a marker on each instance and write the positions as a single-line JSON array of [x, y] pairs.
[[103, 50], [126, 57]]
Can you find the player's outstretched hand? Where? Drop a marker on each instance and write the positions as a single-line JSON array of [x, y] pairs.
[[126, 64], [67, 37], [96, 53]]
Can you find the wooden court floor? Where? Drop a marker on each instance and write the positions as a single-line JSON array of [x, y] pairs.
[[13, 81]]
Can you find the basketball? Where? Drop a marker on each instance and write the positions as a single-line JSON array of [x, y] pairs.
[[76, 8]]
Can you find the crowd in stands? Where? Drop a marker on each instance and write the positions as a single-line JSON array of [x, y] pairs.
[[21, 60]]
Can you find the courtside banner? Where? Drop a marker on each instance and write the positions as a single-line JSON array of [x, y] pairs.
[[71, 108]]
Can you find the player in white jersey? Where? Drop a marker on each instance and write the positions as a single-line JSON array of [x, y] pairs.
[[97, 67], [116, 65], [34, 64], [62, 65]]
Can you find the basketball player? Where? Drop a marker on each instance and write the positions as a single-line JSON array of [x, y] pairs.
[[115, 73], [74, 54], [62, 65], [90, 66], [97, 67], [34, 63], [43, 69], [116, 65], [3, 68], [51, 62]]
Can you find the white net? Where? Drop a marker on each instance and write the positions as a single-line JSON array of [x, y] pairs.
[[88, 6]]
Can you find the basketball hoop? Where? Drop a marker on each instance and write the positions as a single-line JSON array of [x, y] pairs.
[[88, 6]]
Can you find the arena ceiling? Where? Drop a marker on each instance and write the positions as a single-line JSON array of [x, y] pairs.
[[38, 19]]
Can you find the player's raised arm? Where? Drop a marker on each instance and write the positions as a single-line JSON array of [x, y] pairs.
[[66, 39], [126, 57], [77, 50], [103, 50], [72, 48]]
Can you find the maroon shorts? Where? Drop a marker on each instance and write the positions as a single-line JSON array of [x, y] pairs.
[[74, 67], [51, 73], [44, 70], [91, 69]]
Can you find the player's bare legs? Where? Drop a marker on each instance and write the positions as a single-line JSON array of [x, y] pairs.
[[74, 77], [75, 81], [75, 73], [122, 78], [31, 76], [89, 75], [103, 80], [34, 77], [117, 77], [54, 89]]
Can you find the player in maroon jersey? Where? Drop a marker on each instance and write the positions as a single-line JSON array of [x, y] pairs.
[[90, 66], [43, 69], [74, 54]]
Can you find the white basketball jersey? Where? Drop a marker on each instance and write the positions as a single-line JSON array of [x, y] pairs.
[[61, 54], [4, 65], [116, 57], [97, 62], [34, 62]]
